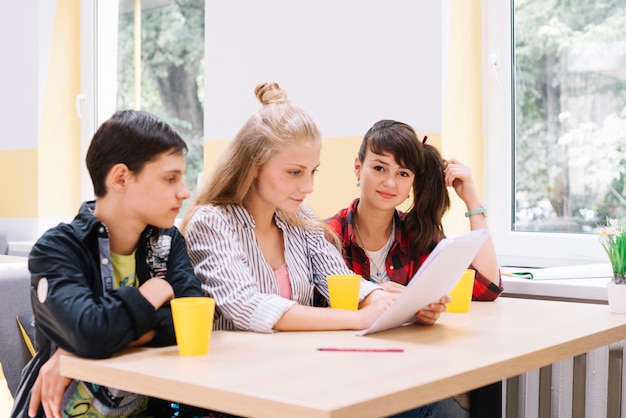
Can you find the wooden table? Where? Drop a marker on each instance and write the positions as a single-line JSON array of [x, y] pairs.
[[284, 375]]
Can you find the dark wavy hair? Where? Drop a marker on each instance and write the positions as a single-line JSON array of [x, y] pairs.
[[423, 221]]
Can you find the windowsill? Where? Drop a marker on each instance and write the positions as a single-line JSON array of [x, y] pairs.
[[590, 290]]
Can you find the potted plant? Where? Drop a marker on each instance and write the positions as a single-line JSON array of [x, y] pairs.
[[613, 240]]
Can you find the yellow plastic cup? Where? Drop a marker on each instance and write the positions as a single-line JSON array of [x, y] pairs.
[[344, 291], [462, 293], [193, 323]]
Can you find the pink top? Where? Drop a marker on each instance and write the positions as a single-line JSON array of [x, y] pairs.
[[284, 284]]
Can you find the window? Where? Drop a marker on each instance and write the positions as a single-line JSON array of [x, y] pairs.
[[555, 126], [146, 55]]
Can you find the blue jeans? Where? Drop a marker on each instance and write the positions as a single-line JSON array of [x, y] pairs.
[[446, 408]]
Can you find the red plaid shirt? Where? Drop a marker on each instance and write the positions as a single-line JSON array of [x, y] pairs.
[[400, 264]]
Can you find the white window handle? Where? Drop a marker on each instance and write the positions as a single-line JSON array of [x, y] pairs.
[[494, 61], [80, 99]]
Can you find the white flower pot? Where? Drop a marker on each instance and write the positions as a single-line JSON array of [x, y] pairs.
[[617, 297]]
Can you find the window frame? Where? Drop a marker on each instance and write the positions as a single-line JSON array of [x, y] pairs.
[[531, 249], [98, 75]]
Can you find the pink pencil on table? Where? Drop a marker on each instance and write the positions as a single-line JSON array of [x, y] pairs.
[[364, 350]]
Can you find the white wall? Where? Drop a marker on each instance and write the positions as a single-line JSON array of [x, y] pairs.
[[22, 24], [349, 63], [25, 43]]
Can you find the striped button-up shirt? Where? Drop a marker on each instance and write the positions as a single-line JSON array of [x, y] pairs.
[[227, 258]]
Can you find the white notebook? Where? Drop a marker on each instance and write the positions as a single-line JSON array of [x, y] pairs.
[[585, 271], [435, 278]]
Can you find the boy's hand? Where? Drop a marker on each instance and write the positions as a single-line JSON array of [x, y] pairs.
[[157, 291], [145, 338], [49, 388]]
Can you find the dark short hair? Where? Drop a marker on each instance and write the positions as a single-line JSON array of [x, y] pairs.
[[130, 137]]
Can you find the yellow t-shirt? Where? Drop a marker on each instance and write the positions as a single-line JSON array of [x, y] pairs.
[[124, 273], [82, 402]]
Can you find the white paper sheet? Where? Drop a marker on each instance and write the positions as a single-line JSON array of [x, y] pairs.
[[435, 278]]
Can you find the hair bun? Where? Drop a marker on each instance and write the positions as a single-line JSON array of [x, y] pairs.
[[268, 93]]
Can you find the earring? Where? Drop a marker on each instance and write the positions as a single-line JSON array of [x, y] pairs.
[[408, 197], [358, 184]]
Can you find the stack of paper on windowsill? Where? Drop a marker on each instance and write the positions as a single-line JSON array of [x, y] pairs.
[[586, 271]]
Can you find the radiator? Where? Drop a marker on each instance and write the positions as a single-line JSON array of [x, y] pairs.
[[591, 385]]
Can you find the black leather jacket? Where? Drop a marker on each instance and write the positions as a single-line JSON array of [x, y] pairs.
[[72, 295]]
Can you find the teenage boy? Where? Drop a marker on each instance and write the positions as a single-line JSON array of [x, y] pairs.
[[103, 282]]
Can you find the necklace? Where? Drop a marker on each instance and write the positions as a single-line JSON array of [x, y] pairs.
[[377, 258]]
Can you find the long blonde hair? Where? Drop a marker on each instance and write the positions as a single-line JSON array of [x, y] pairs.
[[276, 124]]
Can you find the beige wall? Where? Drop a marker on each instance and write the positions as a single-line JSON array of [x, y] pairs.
[[462, 135], [18, 188], [59, 139]]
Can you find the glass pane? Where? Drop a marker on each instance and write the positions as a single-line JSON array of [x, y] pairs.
[[570, 113], [172, 69]]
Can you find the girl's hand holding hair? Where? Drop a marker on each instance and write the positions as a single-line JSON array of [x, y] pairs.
[[459, 176]]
